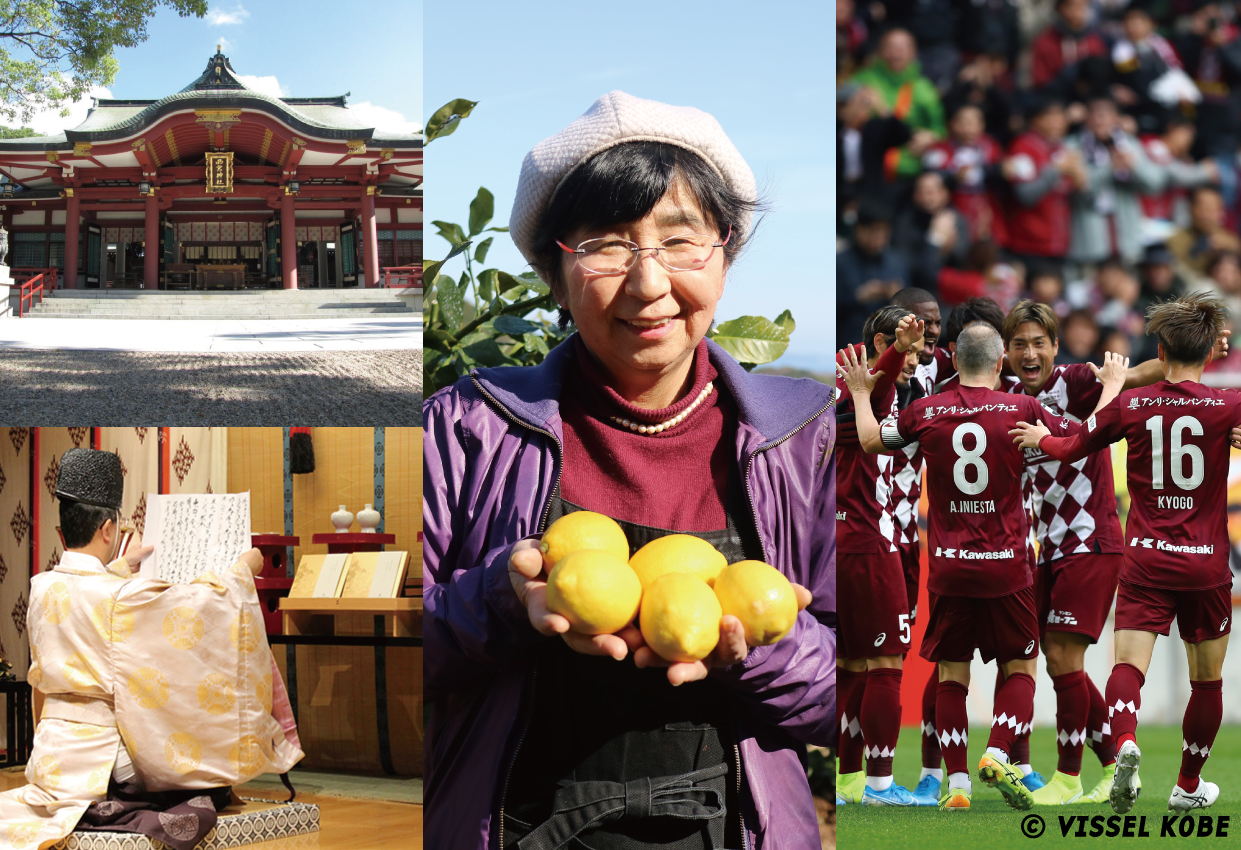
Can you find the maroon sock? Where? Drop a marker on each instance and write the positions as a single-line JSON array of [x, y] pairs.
[[850, 687], [1014, 708], [881, 719], [931, 757], [1101, 740], [1202, 719], [1072, 712], [1124, 698], [953, 725]]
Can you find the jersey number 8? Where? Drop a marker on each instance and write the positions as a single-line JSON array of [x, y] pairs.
[[1197, 469], [967, 458]]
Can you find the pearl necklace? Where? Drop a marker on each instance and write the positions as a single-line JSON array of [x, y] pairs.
[[667, 423]]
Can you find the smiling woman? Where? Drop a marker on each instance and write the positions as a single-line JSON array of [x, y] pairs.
[[633, 216]]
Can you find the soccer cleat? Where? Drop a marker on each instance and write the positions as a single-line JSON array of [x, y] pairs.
[[1062, 789], [893, 795], [1202, 798], [841, 801], [1101, 791], [956, 800], [1006, 779], [1033, 781], [1125, 786], [927, 792], [849, 786]]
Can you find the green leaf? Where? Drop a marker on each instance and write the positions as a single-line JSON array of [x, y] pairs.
[[497, 230], [451, 300], [487, 285], [430, 270], [785, 320], [445, 120], [486, 353], [480, 250], [513, 326], [524, 281], [534, 342], [482, 210], [438, 340], [752, 339], [450, 231]]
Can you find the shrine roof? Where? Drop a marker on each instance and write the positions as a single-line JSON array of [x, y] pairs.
[[218, 88]]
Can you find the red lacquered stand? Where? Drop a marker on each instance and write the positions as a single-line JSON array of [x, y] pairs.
[[343, 544], [273, 582]]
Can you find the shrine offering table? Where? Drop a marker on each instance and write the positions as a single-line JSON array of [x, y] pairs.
[[355, 659], [364, 541], [221, 277], [273, 581]]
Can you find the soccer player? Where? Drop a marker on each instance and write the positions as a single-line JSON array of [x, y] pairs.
[[1176, 558], [874, 631], [979, 578], [1080, 544], [907, 468]]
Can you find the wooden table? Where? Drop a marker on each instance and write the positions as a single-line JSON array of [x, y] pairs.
[[342, 543], [20, 720]]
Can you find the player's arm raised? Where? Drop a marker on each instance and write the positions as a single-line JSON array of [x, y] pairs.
[[1115, 375], [861, 383]]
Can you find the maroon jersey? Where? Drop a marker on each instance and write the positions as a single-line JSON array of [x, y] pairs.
[[1074, 504], [967, 166], [864, 481], [1177, 434], [978, 526]]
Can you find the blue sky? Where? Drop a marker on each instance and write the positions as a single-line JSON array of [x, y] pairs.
[[765, 71], [370, 48]]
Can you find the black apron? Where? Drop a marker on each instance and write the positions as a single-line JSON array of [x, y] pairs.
[[611, 757]]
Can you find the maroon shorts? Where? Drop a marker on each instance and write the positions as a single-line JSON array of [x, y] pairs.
[[873, 616], [1200, 614], [1075, 593], [1003, 627], [911, 563]]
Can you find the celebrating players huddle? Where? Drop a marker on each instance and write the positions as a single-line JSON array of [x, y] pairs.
[[1016, 455]]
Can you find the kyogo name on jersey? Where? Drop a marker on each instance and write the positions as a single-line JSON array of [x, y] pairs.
[[1165, 546], [968, 555], [975, 507]]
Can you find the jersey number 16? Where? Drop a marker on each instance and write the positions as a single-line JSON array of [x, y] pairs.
[[1180, 451]]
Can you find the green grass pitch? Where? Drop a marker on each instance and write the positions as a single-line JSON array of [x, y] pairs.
[[990, 822]]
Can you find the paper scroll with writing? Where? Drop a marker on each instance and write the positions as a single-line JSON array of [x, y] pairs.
[[194, 534]]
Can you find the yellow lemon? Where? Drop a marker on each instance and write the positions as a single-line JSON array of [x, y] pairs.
[[677, 553], [760, 597], [680, 617], [595, 591], [582, 530]]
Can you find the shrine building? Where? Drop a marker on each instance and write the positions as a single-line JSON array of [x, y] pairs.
[[215, 186]]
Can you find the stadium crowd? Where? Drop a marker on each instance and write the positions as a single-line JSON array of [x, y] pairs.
[[1082, 154]]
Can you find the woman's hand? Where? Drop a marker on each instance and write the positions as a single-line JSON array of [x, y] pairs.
[[525, 571], [731, 649]]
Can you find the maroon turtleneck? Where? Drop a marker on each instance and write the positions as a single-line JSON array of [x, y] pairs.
[[676, 479]]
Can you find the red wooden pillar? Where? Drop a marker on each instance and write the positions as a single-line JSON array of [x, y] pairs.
[[288, 242], [150, 250], [73, 230], [370, 243]]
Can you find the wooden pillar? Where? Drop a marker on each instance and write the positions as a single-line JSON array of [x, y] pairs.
[[73, 230], [288, 242], [150, 251], [370, 243]]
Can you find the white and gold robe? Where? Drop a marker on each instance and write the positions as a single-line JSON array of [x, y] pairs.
[[169, 685]]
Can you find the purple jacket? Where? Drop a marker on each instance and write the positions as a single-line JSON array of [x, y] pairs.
[[492, 450]]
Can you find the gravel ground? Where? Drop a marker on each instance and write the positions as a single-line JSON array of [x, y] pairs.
[[356, 388]]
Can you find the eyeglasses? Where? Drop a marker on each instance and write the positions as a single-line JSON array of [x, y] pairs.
[[611, 255]]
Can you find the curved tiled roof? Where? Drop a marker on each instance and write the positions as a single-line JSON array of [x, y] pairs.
[[216, 88]]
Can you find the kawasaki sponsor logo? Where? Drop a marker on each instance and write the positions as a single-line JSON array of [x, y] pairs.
[[970, 555], [1165, 546]]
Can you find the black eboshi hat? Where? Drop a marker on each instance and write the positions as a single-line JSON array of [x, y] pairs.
[[90, 477]]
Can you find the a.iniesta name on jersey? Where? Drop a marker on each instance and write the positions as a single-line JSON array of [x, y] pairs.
[[972, 507]]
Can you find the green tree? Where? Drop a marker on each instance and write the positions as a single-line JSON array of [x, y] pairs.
[[52, 52], [17, 132]]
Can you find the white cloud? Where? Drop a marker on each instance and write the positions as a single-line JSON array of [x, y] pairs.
[[266, 85], [48, 122], [384, 119], [219, 17]]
